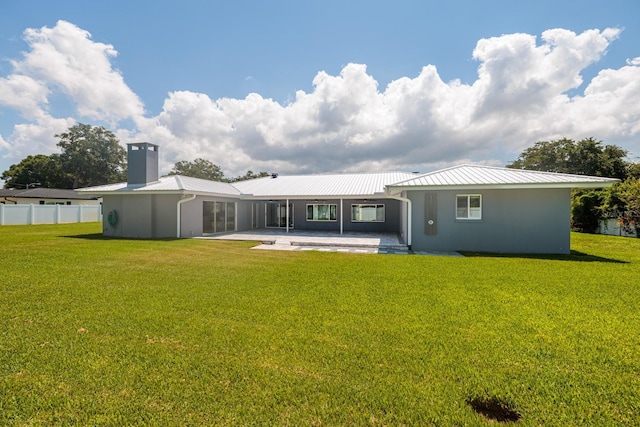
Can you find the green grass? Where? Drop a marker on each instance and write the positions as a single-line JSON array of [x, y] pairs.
[[109, 332]]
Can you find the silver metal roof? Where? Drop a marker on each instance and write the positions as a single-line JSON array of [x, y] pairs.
[[169, 184], [314, 186], [360, 185], [477, 176]]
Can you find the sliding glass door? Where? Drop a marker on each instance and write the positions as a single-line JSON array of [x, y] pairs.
[[276, 215], [218, 217]]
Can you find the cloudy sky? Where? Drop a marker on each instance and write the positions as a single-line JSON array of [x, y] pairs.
[[292, 86]]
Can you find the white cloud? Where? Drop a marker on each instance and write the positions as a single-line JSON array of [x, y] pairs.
[[38, 137], [63, 60], [65, 56], [24, 94], [347, 122]]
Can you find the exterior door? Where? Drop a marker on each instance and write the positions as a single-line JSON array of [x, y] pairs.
[[276, 215]]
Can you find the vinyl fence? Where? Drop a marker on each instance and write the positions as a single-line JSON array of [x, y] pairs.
[[611, 227], [49, 214]]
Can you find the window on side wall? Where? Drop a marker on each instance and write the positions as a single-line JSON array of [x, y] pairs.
[[367, 213], [469, 206], [321, 212]]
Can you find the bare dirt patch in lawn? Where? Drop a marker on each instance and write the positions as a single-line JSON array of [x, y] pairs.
[[494, 409]]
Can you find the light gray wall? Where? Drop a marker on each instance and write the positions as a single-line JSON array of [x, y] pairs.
[[165, 215], [513, 221], [141, 216]]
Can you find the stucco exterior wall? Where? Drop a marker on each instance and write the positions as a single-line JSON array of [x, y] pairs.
[[141, 216], [513, 221]]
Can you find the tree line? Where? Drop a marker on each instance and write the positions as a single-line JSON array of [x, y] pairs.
[[92, 155]]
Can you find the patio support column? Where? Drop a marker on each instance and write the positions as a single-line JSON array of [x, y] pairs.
[[287, 210], [341, 218]]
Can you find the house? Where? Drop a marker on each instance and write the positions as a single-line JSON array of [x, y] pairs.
[[463, 208], [46, 196]]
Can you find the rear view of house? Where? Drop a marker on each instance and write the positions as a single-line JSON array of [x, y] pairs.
[[463, 208]]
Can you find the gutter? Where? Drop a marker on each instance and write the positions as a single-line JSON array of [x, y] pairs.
[[178, 216]]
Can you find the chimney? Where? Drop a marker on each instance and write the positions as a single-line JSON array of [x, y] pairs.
[[142, 163]]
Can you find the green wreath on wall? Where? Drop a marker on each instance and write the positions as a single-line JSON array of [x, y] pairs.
[[112, 218]]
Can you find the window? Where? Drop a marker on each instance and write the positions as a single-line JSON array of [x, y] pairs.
[[469, 206], [322, 212], [367, 213]]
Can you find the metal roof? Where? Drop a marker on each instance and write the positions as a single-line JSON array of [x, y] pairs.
[[314, 186], [360, 185], [169, 184], [477, 176], [46, 193]]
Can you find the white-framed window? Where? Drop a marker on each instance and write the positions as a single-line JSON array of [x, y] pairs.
[[322, 212], [367, 213], [469, 206]]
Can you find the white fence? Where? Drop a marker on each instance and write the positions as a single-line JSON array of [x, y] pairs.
[[611, 227], [49, 214]]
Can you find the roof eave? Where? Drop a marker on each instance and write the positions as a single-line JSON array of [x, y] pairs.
[[391, 189], [313, 196]]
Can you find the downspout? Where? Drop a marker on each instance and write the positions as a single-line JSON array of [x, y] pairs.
[[287, 215], [408, 202], [341, 218], [178, 216]]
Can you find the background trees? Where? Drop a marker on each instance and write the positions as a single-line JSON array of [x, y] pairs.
[[89, 156], [38, 170], [204, 169], [92, 155], [585, 157], [199, 168]]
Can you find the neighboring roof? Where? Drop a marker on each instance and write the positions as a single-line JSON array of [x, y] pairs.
[[46, 193], [475, 176], [168, 184], [319, 186]]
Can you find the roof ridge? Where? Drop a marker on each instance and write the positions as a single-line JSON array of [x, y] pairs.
[[418, 176], [178, 179]]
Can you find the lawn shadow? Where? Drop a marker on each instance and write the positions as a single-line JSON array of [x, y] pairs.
[[575, 256], [100, 236]]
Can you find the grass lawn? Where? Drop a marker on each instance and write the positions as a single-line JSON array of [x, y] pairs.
[[111, 332]]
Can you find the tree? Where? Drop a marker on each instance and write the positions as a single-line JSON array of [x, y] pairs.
[[585, 211], [199, 168], [41, 170], [633, 170], [622, 201], [585, 157], [249, 175], [91, 155]]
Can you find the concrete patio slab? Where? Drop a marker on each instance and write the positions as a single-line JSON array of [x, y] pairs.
[[348, 242]]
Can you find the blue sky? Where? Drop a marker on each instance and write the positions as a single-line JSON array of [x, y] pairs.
[[297, 86]]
